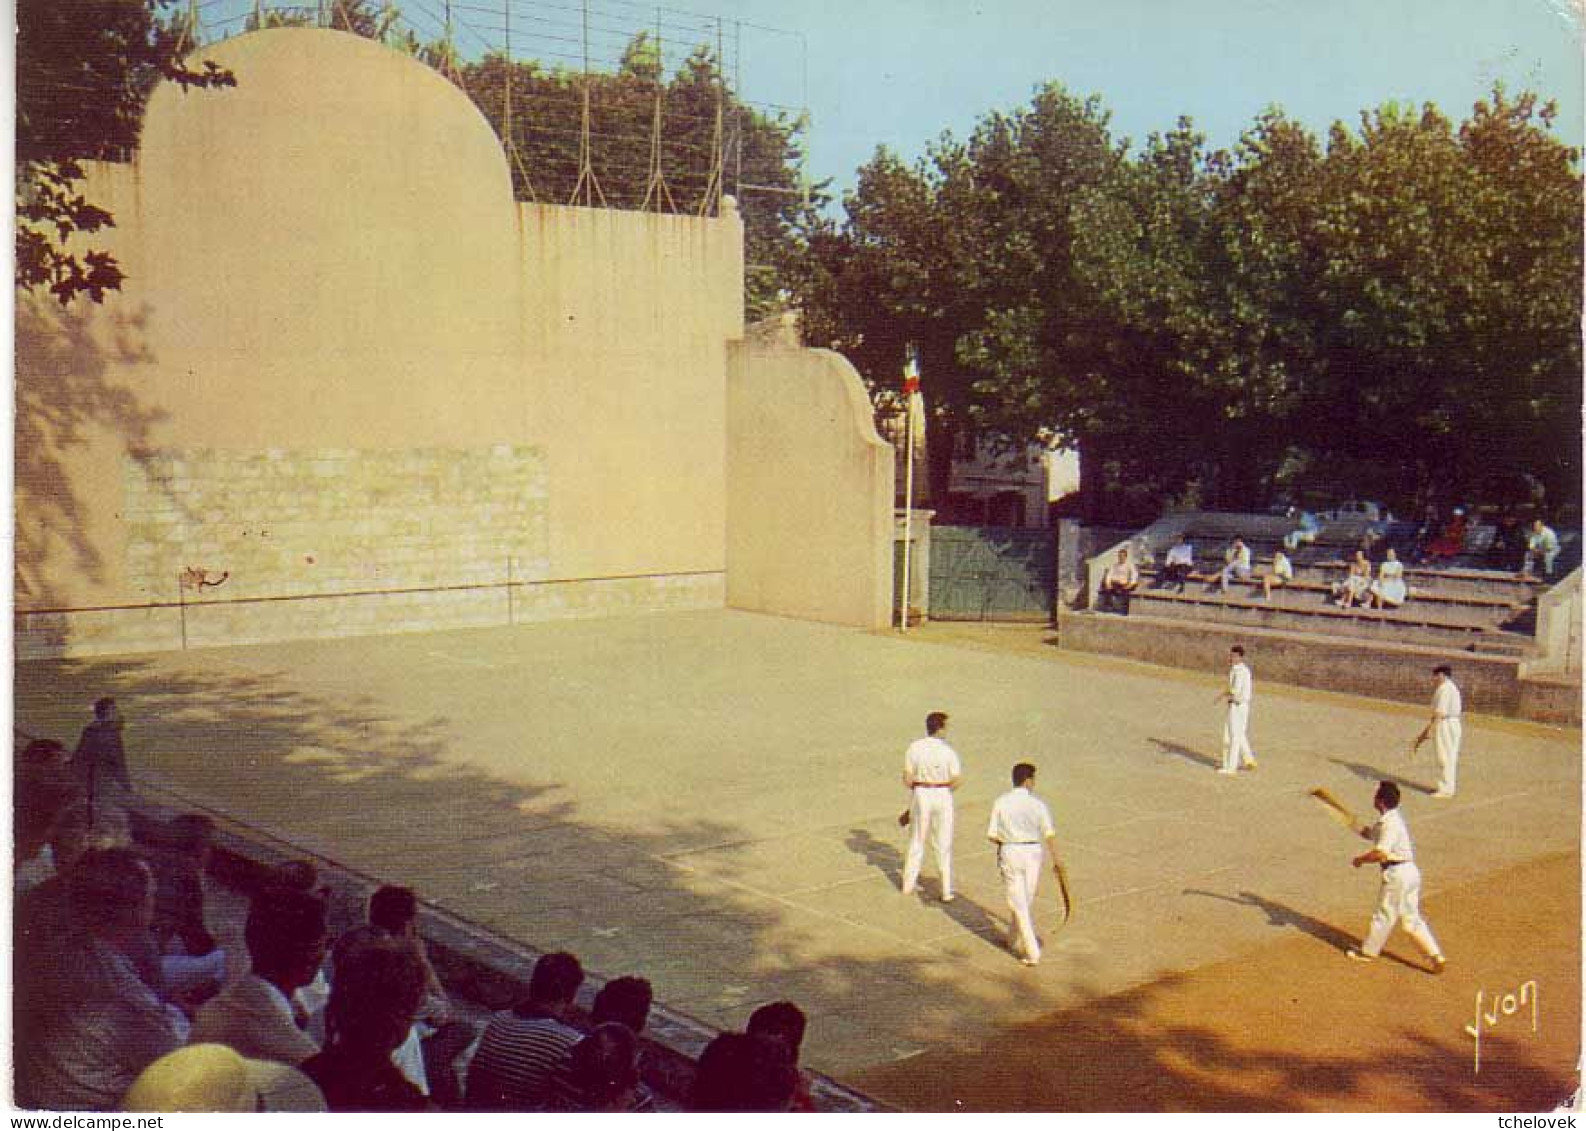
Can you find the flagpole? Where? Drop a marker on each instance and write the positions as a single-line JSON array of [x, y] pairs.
[[911, 391]]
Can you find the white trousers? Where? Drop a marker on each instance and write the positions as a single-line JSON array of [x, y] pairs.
[[930, 814], [1446, 735], [1399, 902], [1020, 865], [1236, 738]]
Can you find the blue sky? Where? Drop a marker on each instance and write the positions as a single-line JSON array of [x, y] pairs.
[[899, 72]]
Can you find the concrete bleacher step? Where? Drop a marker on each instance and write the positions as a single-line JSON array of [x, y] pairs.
[[1491, 584], [1401, 626], [1309, 593]]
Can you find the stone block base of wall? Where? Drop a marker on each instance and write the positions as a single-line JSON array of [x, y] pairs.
[[1490, 684], [213, 623], [1551, 700]]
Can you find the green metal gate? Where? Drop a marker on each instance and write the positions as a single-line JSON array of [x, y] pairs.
[[992, 573]]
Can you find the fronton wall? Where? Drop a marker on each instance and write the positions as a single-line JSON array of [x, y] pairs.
[[809, 505], [351, 386]]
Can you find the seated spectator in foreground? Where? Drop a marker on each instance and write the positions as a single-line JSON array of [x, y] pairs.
[[1179, 565], [603, 1072], [1237, 565], [1541, 548], [626, 1001], [621, 1001], [255, 1015], [43, 924], [43, 787], [374, 998], [179, 863], [1356, 583], [428, 1056], [1281, 573], [744, 1072], [522, 1050], [785, 1022], [207, 1078], [97, 1024], [194, 968], [1120, 580], [303, 876], [1389, 590]]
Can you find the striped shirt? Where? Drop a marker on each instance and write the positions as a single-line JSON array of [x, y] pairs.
[[518, 1063]]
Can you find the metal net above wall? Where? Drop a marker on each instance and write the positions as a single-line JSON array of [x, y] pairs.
[[601, 104]]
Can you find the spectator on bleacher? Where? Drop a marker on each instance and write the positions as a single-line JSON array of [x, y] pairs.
[[1281, 573], [603, 1073], [1541, 548], [621, 1001], [1120, 580], [257, 1014], [1451, 542], [43, 787], [375, 996], [179, 861], [194, 967], [1179, 564], [101, 760], [1236, 565], [1389, 590], [626, 1001], [44, 922], [303, 876], [785, 1022], [744, 1072], [516, 1066], [1305, 533], [97, 1024], [427, 1057], [1356, 583]]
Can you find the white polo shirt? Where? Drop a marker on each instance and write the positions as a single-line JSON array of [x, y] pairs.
[[930, 760], [1392, 837], [1020, 817], [1240, 684], [1446, 701]]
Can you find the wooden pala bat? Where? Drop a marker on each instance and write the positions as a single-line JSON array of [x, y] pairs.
[[1336, 809], [1062, 886]]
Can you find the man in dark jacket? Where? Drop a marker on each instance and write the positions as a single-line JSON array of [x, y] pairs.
[[101, 759]]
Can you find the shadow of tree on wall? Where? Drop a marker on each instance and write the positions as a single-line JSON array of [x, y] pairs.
[[520, 860], [68, 393]]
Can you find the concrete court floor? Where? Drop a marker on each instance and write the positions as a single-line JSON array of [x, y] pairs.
[[710, 799]]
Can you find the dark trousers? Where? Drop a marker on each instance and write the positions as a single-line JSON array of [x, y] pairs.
[[1113, 600]]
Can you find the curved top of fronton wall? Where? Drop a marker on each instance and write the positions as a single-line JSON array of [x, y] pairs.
[[328, 102], [337, 179]]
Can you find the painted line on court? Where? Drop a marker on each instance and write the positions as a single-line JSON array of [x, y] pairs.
[[784, 901], [465, 661]]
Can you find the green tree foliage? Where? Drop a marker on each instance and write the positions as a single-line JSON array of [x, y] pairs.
[[84, 72], [539, 115], [1396, 313]]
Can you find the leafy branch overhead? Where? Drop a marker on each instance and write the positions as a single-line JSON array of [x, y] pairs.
[[85, 69]]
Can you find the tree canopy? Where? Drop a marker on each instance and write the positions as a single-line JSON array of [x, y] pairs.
[[1394, 312]]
